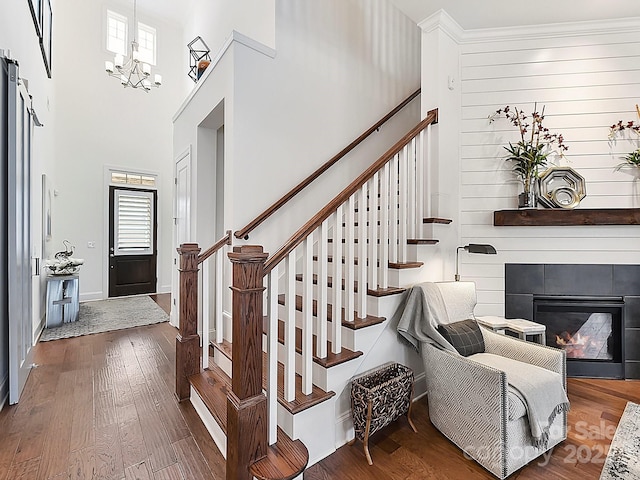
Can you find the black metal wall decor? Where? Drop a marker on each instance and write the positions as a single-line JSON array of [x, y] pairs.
[[199, 58]]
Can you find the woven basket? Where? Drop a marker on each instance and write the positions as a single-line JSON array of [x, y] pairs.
[[379, 397]]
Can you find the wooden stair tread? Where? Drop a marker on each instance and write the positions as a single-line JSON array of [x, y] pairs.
[[213, 385], [443, 221], [331, 360], [380, 292], [393, 265], [357, 324], [224, 348], [302, 401], [404, 265], [285, 460], [422, 241]]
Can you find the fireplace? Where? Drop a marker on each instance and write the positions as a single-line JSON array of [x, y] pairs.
[[592, 312], [588, 329]]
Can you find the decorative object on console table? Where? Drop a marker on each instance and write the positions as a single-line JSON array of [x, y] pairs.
[[378, 397], [531, 152], [561, 187], [199, 58], [474, 248]]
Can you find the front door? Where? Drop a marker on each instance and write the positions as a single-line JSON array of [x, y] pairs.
[[132, 241]]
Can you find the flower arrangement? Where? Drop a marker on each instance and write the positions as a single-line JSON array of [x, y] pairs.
[[531, 152], [631, 159]]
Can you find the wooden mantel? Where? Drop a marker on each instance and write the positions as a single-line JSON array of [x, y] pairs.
[[566, 217]]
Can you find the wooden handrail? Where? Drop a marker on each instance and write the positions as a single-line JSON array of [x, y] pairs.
[[244, 231], [322, 215], [226, 240]]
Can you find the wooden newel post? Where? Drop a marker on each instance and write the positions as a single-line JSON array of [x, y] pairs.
[[188, 340], [247, 420]]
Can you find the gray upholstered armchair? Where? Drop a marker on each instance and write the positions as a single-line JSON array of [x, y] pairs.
[[472, 399]]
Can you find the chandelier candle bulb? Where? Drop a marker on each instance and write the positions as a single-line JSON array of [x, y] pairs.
[[146, 68], [123, 80], [146, 84], [157, 79], [119, 60], [108, 66]]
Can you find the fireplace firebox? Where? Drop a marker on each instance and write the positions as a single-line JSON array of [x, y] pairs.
[[588, 329], [592, 311]]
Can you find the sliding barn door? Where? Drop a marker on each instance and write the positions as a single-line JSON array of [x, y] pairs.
[[19, 268]]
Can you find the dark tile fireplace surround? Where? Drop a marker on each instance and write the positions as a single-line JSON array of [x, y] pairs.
[[591, 311]]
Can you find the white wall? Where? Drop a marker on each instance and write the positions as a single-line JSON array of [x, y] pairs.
[[214, 21], [18, 35], [338, 67], [587, 76], [98, 124]]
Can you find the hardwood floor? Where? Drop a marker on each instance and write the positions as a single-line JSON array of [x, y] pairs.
[[103, 407], [398, 453]]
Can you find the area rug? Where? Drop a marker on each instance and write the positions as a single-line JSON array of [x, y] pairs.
[[623, 460], [107, 315]]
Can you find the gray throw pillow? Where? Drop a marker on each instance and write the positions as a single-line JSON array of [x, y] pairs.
[[464, 336]]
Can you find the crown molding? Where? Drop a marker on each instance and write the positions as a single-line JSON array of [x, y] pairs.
[[553, 30], [443, 21]]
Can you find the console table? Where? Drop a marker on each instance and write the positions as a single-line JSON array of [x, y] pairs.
[[63, 293]]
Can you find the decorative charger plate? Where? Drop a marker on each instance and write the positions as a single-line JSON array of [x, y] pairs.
[[561, 187]]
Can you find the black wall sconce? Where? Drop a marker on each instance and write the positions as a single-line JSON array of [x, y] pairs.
[[474, 248]]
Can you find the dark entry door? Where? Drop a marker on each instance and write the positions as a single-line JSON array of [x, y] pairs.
[[132, 241]]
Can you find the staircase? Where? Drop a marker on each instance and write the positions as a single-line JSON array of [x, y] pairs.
[[303, 319]]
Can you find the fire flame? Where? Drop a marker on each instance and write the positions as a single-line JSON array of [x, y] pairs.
[[574, 345]]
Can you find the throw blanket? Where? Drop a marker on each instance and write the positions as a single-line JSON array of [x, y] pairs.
[[417, 322], [540, 389]]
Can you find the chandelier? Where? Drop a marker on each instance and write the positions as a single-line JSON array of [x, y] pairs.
[[133, 73]]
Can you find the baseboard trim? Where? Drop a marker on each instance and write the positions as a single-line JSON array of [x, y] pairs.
[[85, 297]]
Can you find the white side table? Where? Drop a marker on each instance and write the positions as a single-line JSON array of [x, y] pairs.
[[63, 294], [496, 324], [527, 330]]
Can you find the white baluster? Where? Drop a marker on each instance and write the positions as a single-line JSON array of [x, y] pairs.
[[336, 313], [361, 304], [206, 313], [420, 183], [349, 262], [393, 206], [383, 277], [272, 354], [323, 296], [307, 316], [373, 232], [290, 328], [219, 319], [402, 209], [411, 189]]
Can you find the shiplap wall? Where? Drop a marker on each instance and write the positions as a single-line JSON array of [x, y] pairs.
[[587, 81]]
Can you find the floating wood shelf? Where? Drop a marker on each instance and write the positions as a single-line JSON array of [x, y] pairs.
[[562, 217]]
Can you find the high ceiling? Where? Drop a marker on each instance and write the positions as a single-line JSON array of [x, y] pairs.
[[470, 14], [473, 14]]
